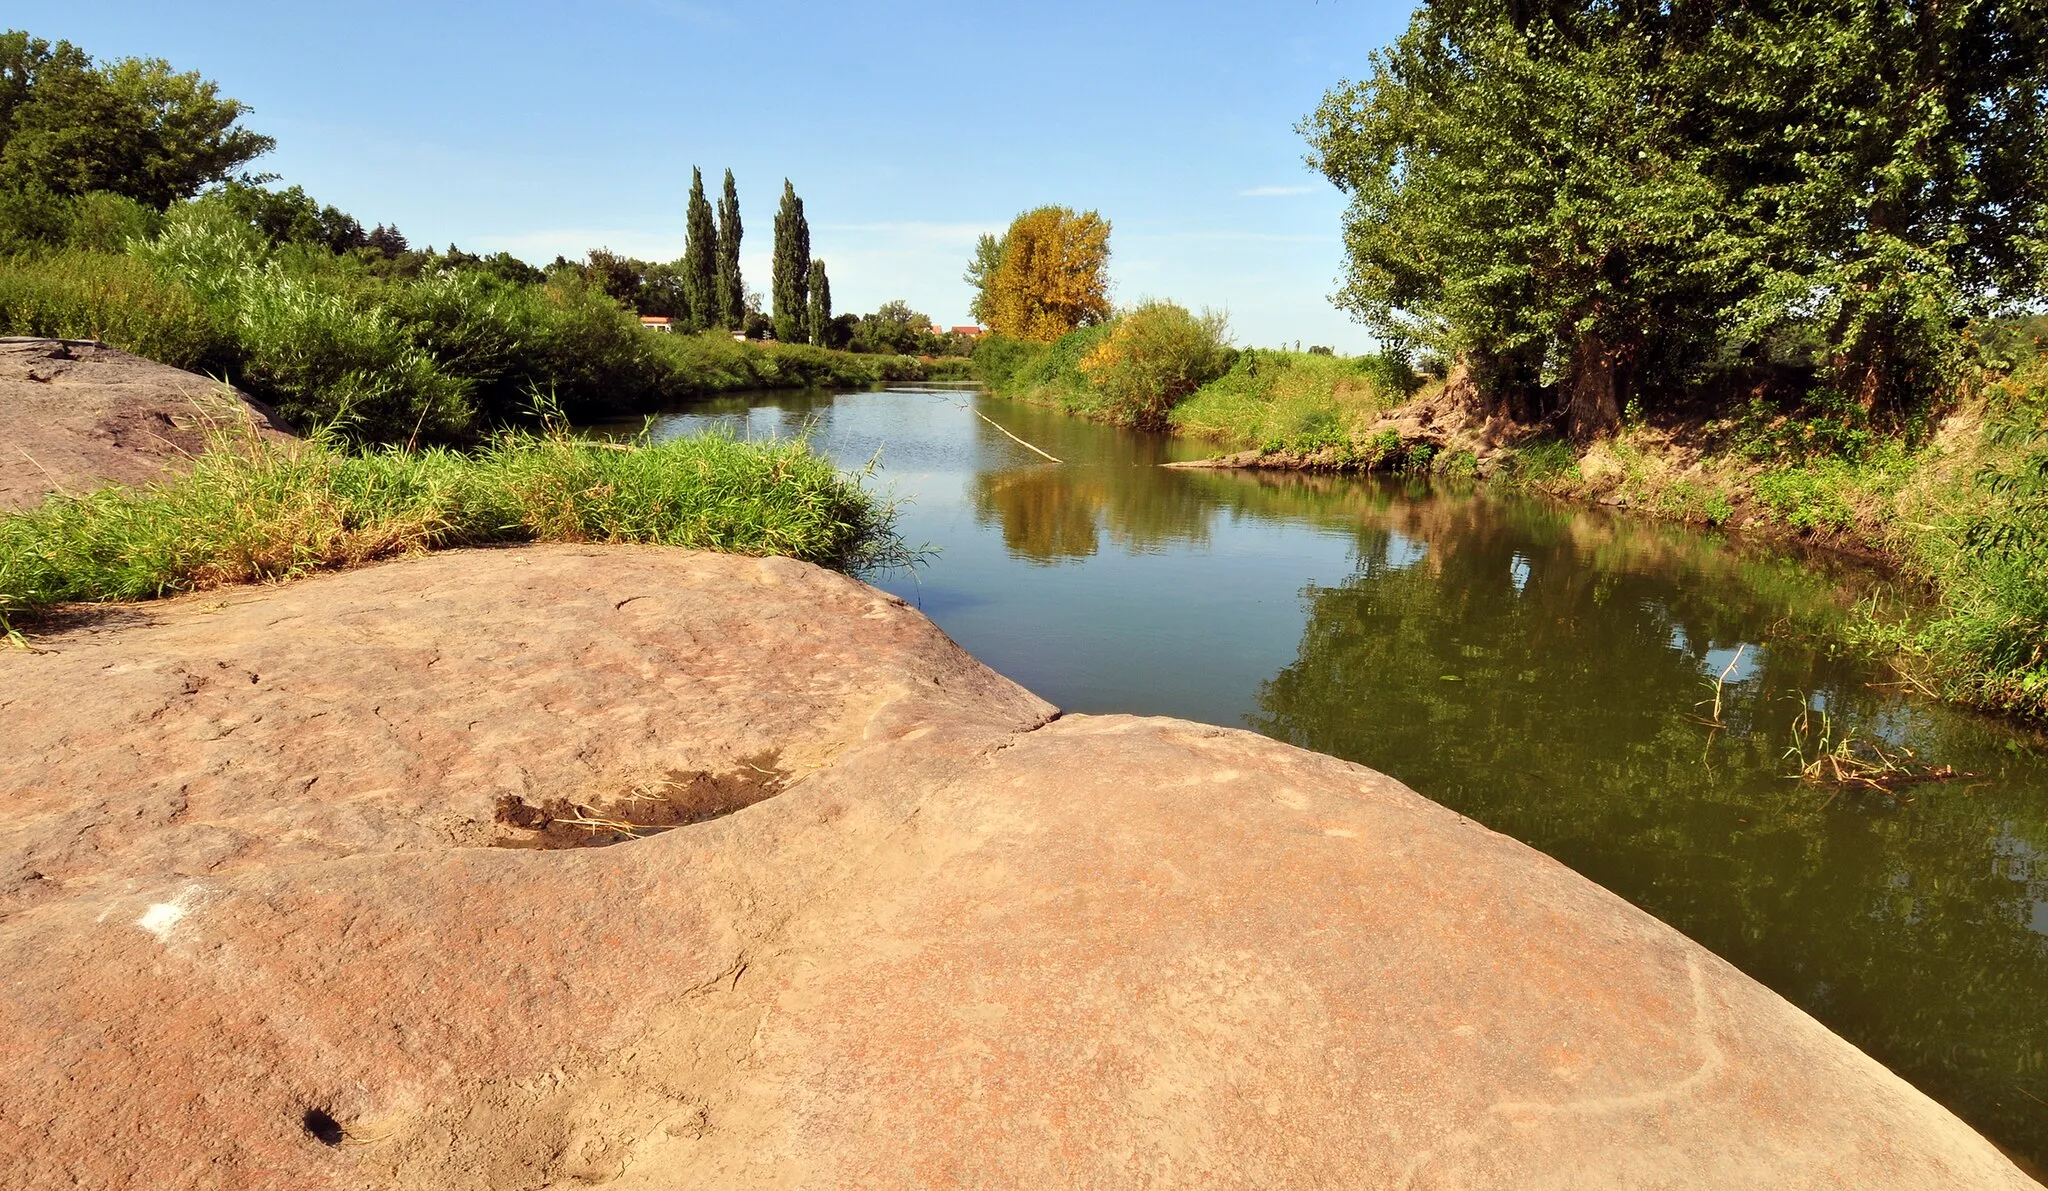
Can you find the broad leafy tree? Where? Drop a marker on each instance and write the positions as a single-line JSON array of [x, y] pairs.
[[895, 328], [1050, 276], [133, 127], [981, 274], [1597, 201], [792, 267]]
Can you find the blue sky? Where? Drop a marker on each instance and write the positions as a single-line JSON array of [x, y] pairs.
[[553, 128]]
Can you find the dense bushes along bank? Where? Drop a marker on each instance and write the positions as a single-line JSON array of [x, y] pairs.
[[436, 358], [258, 511]]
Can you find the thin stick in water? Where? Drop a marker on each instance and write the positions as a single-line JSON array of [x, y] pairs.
[[1013, 438]]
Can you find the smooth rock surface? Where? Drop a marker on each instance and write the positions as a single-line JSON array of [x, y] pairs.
[[254, 935], [75, 416]]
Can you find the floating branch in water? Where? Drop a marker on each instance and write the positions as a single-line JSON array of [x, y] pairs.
[[1847, 761]]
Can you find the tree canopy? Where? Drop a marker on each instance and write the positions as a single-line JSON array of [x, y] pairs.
[[1045, 276], [1593, 201], [133, 127]]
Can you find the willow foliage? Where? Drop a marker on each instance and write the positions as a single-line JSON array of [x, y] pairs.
[[1597, 200]]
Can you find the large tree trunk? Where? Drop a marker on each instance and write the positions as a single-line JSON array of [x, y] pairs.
[[1593, 406]]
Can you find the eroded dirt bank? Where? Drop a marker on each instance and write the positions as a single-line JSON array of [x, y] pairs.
[[258, 932]]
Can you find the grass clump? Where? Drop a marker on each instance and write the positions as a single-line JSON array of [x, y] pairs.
[[1283, 400], [253, 511]]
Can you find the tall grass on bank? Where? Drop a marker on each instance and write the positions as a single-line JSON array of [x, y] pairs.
[[117, 299], [1980, 538], [253, 512], [1294, 401]]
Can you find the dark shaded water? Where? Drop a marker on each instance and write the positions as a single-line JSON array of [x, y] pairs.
[[1540, 668]]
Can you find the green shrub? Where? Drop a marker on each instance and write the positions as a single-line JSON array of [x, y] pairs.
[[1152, 359], [324, 358], [116, 299], [998, 359], [1390, 372], [1545, 459], [1052, 374], [1807, 498]]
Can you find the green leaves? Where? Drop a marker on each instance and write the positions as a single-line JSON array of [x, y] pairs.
[[792, 268], [134, 127], [1640, 196]]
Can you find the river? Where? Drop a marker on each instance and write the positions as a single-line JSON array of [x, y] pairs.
[[1550, 671]]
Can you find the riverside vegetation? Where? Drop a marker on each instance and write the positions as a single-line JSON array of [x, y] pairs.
[[1959, 507], [1770, 265], [416, 375], [124, 217], [257, 511]]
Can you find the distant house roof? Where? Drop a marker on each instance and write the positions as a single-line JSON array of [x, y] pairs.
[[656, 319], [970, 332]]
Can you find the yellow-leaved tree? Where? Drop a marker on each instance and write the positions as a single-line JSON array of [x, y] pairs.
[[1049, 275]]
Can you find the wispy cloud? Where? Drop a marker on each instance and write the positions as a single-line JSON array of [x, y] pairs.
[[1274, 191]]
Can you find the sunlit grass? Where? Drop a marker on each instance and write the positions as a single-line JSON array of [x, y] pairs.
[[253, 512]]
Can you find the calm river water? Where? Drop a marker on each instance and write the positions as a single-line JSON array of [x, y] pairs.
[[1543, 669]]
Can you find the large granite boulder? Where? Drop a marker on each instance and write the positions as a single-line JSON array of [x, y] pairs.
[[288, 899], [77, 415]]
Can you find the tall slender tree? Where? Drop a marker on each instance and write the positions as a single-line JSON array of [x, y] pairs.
[[732, 289], [792, 267], [820, 322], [700, 259]]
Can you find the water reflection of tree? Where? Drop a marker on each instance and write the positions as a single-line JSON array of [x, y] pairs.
[[1051, 514], [1558, 714]]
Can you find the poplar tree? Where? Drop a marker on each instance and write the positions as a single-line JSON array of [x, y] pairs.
[[820, 304], [700, 259], [792, 266], [732, 289]]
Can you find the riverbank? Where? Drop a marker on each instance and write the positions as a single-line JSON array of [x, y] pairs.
[[1956, 504], [444, 357], [261, 507]]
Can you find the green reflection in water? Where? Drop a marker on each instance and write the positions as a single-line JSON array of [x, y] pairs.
[[1540, 670]]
